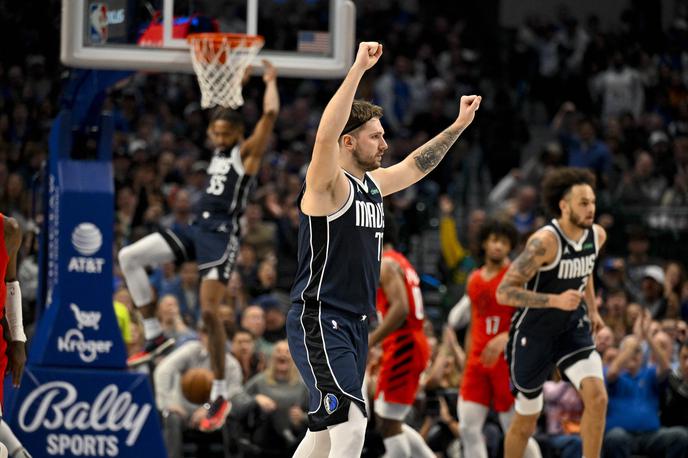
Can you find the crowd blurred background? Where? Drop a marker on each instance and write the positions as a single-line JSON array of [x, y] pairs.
[[564, 89]]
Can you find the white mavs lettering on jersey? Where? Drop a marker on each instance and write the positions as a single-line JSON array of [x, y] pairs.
[[219, 165], [578, 267], [217, 171], [369, 214]]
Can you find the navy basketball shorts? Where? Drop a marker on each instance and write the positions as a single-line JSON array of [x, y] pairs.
[[532, 357], [330, 348], [181, 241], [209, 244]]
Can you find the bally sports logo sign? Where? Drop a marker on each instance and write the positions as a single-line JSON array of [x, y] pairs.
[[86, 413], [53, 406]]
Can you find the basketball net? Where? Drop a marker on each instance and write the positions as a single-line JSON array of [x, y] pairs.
[[220, 60]]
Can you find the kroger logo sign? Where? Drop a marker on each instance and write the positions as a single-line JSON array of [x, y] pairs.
[[74, 341]]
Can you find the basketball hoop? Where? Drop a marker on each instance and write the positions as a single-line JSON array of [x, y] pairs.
[[219, 60]]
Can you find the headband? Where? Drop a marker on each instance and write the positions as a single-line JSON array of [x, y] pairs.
[[354, 127]]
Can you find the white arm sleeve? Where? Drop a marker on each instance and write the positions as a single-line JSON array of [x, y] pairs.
[[13, 311], [460, 314]]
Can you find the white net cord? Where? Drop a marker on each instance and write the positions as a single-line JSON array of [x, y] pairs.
[[220, 67]]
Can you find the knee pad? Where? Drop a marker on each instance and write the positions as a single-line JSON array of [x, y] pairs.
[[584, 368], [127, 257], [526, 406]]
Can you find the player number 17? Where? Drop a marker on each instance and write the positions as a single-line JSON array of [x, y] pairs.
[[492, 323]]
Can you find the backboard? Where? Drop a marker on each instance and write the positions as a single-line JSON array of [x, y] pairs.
[[303, 38]]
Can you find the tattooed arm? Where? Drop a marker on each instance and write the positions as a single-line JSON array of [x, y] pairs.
[[540, 250], [421, 161]]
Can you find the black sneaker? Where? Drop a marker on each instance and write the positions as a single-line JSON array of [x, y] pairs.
[[217, 413], [152, 348]]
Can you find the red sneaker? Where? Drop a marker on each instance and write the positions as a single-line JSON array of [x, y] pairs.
[[217, 413], [153, 348]]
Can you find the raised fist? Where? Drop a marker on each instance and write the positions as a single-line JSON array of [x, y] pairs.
[[368, 54]]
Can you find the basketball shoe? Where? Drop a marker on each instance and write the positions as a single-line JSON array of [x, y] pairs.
[[152, 348], [217, 414]]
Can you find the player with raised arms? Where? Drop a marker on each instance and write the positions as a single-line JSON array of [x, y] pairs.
[[340, 248], [213, 240]]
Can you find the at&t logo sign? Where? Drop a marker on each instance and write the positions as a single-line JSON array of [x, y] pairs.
[[87, 240]]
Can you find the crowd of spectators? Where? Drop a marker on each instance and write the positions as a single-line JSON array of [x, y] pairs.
[[561, 91]]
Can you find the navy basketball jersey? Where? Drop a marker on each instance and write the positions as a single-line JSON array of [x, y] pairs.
[[339, 255], [227, 189], [571, 269]]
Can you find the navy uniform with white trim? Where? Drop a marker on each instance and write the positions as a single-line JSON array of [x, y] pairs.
[[213, 238], [332, 297], [540, 338]]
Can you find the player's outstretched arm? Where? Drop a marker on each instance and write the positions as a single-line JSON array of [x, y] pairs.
[[392, 283], [424, 159], [323, 171], [540, 250], [254, 147], [13, 304]]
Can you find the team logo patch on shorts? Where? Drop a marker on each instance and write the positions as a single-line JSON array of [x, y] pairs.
[[331, 403]]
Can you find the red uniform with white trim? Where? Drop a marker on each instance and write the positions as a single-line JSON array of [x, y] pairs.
[[488, 386], [405, 352], [4, 260]]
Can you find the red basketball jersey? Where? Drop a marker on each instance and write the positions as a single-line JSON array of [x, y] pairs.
[[4, 260], [488, 317], [405, 352], [416, 315]]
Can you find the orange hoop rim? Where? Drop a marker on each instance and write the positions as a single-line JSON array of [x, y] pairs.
[[233, 39]]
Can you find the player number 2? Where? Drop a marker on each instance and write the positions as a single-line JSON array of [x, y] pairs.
[[492, 323], [217, 185], [584, 283]]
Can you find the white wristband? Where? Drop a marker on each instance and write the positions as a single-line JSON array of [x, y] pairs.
[[13, 311]]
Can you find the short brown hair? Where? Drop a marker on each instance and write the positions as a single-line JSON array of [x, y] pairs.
[[361, 112], [558, 183]]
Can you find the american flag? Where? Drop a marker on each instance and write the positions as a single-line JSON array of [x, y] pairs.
[[314, 42]]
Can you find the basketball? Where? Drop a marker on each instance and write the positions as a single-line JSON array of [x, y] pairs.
[[196, 384]]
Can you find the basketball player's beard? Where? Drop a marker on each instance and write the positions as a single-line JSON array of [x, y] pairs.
[[573, 219], [366, 166]]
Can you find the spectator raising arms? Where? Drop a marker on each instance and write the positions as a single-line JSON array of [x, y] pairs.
[[633, 424]]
